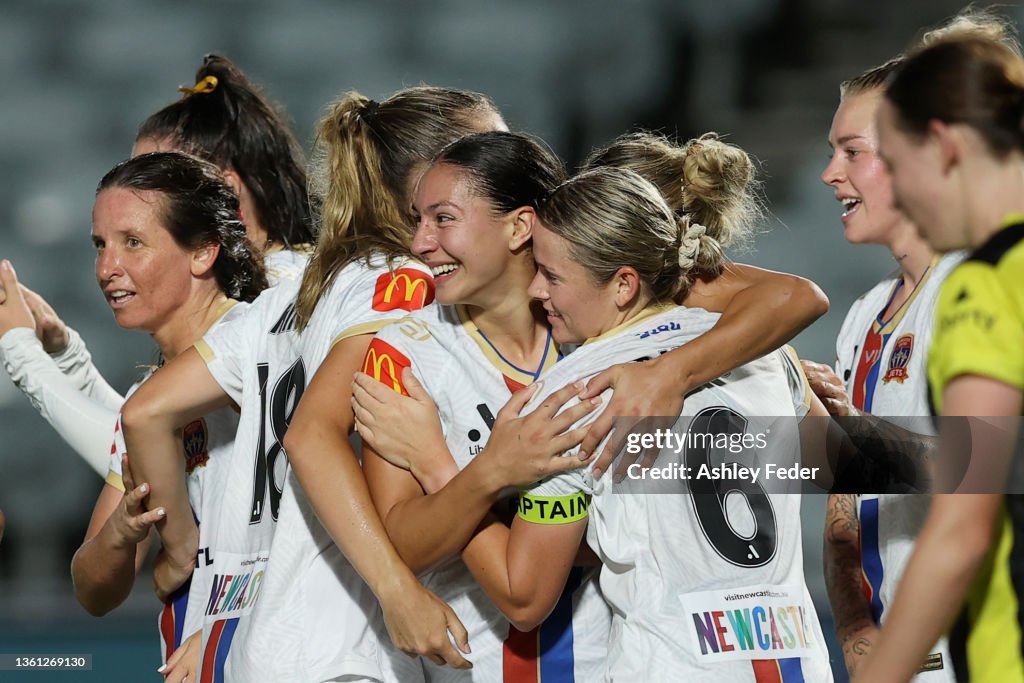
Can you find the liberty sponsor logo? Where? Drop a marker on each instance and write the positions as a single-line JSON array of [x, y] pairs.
[[407, 289], [759, 622], [385, 363], [236, 585], [899, 359], [195, 440]]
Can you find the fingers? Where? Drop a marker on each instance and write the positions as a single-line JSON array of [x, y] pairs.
[[458, 631], [9, 279], [519, 399], [133, 498], [599, 429], [556, 400], [413, 386], [450, 656], [599, 382], [570, 416], [126, 474]]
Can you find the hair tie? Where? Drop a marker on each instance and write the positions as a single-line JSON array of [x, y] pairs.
[[205, 85], [369, 111], [689, 243]]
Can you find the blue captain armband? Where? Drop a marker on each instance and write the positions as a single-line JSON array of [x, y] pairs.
[[554, 509]]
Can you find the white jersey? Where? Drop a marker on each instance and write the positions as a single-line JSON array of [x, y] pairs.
[[312, 622], [704, 584], [470, 381], [884, 366], [286, 265], [208, 443]]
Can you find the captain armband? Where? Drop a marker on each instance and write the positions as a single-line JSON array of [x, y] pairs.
[[554, 509]]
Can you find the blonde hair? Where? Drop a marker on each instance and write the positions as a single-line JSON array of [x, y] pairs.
[[710, 181], [364, 155], [612, 217], [970, 22]]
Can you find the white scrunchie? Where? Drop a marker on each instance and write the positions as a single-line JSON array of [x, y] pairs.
[[689, 245]]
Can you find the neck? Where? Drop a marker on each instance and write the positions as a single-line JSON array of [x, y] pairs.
[[627, 313], [507, 316], [911, 253], [190, 322], [1003, 194]]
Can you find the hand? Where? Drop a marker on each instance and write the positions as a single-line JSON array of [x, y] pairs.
[[14, 311], [404, 430], [827, 386], [50, 329], [183, 664], [419, 623], [523, 450], [640, 390], [131, 521]]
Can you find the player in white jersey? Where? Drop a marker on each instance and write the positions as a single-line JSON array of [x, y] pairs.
[[225, 120], [880, 370], [311, 613], [170, 254]]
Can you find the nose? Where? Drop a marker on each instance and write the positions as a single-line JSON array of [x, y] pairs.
[[108, 265], [425, 239], [834, 172], [538, 288]]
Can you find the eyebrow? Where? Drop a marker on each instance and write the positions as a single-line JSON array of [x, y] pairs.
[[437, 205], [849, 138]]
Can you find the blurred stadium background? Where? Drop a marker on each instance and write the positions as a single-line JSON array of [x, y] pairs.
[[77, 79]]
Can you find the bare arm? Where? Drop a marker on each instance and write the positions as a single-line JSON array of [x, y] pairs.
[[328, 470], [761, 311], [104, 567], [855, 626], [965, 522], [178, 393]]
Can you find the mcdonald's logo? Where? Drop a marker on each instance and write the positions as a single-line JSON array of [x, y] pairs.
[[385, 363], [407, 288]]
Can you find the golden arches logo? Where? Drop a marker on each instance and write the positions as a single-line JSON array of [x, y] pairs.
[[385, 364], [406, 288]]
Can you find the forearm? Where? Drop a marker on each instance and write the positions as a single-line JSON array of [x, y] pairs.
[[885, 455], [103, 571], [756, 321], [75, 362], [84, 423], [855, 626], [429, 529]]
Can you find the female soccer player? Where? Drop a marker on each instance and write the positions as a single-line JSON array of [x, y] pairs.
[[950, 133], [880, 366], [440, 233], [172, 259], [358, 279], [224, 119]]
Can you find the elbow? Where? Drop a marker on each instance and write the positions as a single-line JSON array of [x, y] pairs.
[[91, 600], [526, 619], [139, 412], [812, 297]]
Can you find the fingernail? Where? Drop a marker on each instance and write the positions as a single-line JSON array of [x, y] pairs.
[[162, 669], [596, 401], [597, 472], [144, 488], [582, 455], [160, 512]]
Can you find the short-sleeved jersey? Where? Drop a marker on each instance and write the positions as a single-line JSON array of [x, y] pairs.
[[980, 331], [884, 366], [312, 621], [208, 443], [286, 265], [704, 583], [255, 360], [470, 381]]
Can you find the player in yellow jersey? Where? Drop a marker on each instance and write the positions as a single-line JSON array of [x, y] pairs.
[[950, 131]]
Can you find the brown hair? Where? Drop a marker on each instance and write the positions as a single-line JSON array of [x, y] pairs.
[[365, 155], [969, 80], [710, 181]]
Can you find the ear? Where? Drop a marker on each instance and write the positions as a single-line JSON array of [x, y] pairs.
[[235, 181], [523, 220], [203, 259], [626, 286], [949, 142]]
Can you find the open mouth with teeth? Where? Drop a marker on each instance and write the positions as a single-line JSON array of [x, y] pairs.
[[443, 272], [119, 296], [850, 205]]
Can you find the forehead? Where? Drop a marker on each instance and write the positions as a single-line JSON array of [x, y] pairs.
[[442, 182], [856, 115], [124, 208]]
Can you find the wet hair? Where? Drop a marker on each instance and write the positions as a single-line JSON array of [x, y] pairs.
[[510, 170], [981, 23], [365, 155], [967, 80], [612, 217], [228, 121], [708, 180], [197, 208]]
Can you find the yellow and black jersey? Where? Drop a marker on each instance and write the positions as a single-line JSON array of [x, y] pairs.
[[979, 330]]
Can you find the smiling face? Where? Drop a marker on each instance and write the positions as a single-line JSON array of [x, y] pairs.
[[143, 273], [577, 308], [466, 245], [857, 173]]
